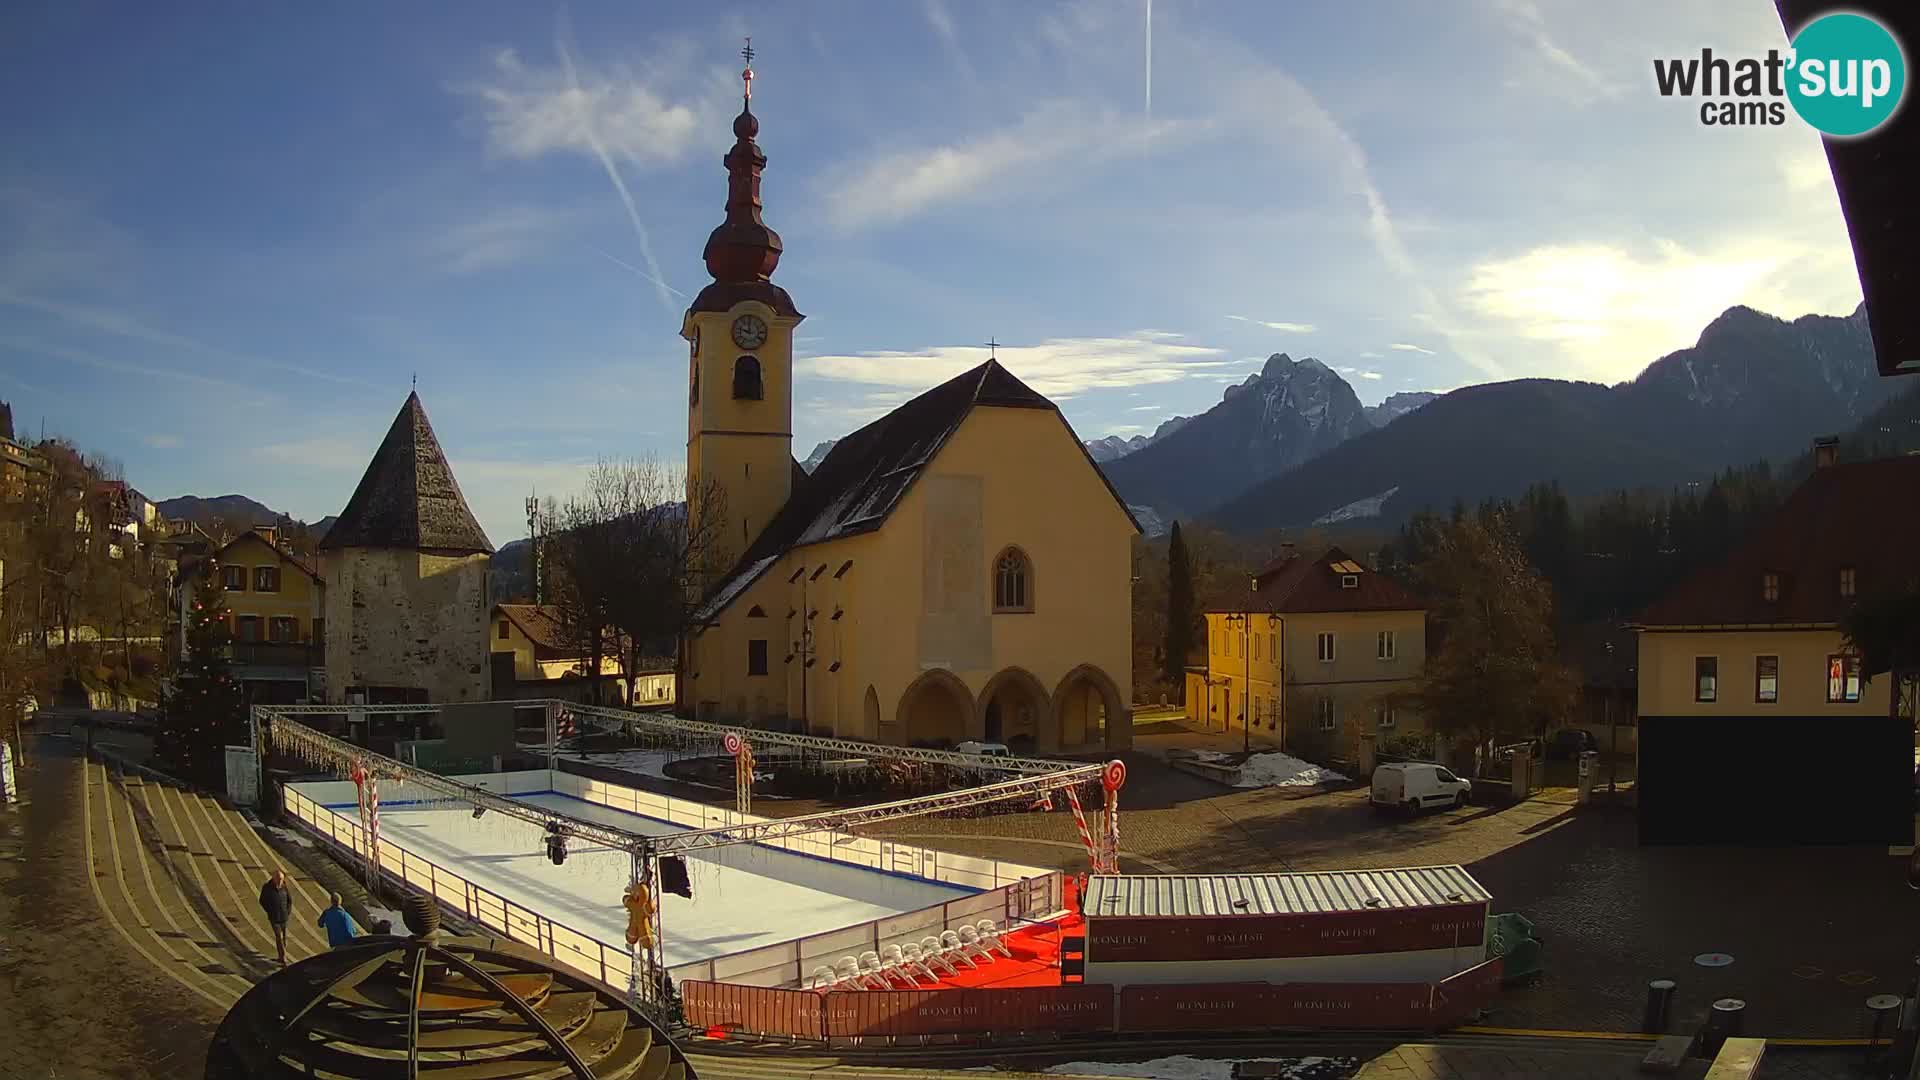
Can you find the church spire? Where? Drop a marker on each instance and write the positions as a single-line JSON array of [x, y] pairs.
[[743, 249]]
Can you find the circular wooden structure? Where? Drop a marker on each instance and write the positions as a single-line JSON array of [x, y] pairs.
[[445, 1008]]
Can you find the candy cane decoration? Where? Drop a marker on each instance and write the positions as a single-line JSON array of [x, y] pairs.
[[1111, 779], [1080, 823], [373, 831]]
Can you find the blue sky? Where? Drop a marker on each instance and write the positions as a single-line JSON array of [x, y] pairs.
[[229, 238]]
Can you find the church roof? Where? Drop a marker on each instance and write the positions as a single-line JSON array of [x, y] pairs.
[[408, 498], [863, 478]]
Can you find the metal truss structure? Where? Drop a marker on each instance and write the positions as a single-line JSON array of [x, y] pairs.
[[286, 726], [608, 718]]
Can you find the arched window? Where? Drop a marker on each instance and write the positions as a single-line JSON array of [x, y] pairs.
[[1013, 581], [746, 379]]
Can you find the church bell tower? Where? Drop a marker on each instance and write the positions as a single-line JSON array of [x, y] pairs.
[[739, 333]]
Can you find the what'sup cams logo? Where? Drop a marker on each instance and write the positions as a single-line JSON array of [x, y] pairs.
[[1844, 74]]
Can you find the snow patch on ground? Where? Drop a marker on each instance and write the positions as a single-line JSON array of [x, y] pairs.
[[376, 913], [1183, 1067], [1275, 769], [1368, 507]]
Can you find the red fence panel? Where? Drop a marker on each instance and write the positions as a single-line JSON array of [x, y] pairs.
[[755, 1010], [1458, 997], [1259, 1006], [1123, 939], [872, 1013], [1194, 1007]]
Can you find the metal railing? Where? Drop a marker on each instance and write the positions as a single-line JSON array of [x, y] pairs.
[[1029, 893]]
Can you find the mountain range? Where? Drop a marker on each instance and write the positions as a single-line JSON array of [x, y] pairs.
[[234, 512], [1752, 387]]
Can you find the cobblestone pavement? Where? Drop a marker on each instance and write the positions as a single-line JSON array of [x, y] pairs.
[[1532, 1059]]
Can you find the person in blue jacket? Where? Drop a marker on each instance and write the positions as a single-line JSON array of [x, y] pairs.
[[338, 924]]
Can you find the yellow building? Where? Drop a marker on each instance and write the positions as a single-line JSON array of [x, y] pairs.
[[278, 621], [957, 569], [537, 648], [1745, 678], [1316, 659]]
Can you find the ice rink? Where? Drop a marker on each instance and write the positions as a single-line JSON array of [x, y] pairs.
[[744, 896]]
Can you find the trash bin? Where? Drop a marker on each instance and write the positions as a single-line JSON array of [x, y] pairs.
[[1724, 1022], [1659, 1005]]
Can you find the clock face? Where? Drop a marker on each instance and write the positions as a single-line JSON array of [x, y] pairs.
[[749, 332]]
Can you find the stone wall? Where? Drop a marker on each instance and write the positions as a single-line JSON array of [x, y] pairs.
[[407, 619]]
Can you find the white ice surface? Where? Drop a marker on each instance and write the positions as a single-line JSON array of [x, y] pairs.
[[744, 896]]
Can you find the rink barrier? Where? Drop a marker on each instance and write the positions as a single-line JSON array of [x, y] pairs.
[[977, 1014], [1017, 901]]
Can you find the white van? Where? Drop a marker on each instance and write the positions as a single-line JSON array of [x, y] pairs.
[[983, 749], [1412, 785]]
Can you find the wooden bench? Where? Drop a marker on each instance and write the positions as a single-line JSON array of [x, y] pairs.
[[1739, 1059]]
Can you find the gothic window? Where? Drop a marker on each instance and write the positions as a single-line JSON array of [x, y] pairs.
[[1013, 581], [746, 379]]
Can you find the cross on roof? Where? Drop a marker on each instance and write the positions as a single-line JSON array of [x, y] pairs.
[[993, 349]]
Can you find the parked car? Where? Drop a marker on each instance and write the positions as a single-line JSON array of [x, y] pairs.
[[1570, 743], [1416, 785]]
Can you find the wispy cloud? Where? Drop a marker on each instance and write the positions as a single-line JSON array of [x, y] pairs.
[[562, 43], [1059, 367], [941, 20], [1401, 346], [1566, 76], [119, 324], [500, 238], [648, 120], [325, 453], [31, 348], [1361, 373], [1283, 327], [892, 185], [1146, 408], [163, 441], [1370, 356]]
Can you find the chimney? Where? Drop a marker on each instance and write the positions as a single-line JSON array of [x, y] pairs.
[[1826, 451]]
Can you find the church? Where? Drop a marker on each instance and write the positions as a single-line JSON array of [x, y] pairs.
[[958, 569]]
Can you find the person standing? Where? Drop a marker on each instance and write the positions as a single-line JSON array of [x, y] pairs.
[[338, 924], [277, 902]]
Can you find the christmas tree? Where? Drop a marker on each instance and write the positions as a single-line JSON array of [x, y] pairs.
[[206, 710]]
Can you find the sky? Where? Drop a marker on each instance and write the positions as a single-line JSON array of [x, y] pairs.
[[233, 236]]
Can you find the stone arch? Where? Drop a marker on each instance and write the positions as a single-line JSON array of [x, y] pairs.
[[746, 379], [1013, 704], [870, 714], [1078, 702], [937, 706]]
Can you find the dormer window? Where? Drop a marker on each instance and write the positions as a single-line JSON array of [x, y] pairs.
[[1349, 581], [746, 379], [1849, 582], [1770, 587]]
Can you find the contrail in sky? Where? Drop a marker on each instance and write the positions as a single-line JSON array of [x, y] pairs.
[[1149, 59], [562, 35], [625, 265]]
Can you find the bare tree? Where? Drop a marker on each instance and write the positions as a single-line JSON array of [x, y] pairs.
[[628, 562]]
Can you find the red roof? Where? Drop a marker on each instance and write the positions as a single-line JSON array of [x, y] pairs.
[[1861, 516], [1298, 585]]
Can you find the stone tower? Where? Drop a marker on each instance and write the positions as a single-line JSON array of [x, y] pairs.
[[406, 567], [739, 332]]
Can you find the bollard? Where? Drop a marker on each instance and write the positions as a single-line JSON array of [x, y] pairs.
[[1883, 1017], [1659, 1003], [1723, 1023]]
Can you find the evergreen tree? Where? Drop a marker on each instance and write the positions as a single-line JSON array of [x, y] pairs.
[[206, 710], [1181, 618]]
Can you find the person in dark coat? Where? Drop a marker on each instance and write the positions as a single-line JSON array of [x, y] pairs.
[[277, 902], [338, 924]]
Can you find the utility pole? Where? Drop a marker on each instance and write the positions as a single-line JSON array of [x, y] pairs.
[[533, 548]]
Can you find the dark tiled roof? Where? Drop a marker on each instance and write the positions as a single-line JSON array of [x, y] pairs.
[[722, 295], [540, 622], [866, 474], [1862, 515], [1301, 585], [408, 497]]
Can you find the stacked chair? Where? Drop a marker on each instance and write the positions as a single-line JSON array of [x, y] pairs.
[[905, 964]]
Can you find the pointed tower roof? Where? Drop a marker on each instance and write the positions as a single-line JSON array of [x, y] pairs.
[[743, 251], [408, 498]]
